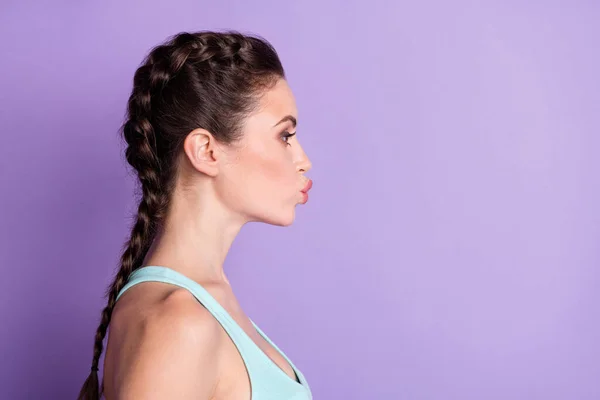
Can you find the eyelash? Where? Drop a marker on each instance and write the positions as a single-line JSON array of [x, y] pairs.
[[287, 135]]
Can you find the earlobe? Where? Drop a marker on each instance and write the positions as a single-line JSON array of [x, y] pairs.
[[200, 148]]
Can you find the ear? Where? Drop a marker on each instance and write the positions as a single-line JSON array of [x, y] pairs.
[[200, 147]]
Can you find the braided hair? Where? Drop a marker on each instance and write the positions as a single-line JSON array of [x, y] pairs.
[[209, 80]]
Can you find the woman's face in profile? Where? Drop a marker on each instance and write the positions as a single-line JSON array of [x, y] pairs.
[[264, 176]]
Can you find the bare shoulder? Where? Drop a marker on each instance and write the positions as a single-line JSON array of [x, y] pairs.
[[171, 348]]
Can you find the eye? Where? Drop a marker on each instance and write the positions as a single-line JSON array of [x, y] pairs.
[[286, 135]]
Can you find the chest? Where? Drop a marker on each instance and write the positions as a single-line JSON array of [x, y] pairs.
[[234, 381]]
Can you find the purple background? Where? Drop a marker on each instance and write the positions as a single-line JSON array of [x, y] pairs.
[[449, 250]]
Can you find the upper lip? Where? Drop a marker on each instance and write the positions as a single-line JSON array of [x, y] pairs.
[[307, 187]]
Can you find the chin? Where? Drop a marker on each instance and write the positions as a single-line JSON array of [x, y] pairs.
[[283, 219]]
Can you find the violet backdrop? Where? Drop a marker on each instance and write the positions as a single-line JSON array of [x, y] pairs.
[[450, 248]]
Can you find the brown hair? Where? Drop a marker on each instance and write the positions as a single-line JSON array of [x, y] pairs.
[[209, 80]]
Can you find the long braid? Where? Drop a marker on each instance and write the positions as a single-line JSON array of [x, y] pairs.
[[150, 147], [141, 154]]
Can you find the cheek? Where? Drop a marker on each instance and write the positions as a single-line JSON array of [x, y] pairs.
[[270, 170]]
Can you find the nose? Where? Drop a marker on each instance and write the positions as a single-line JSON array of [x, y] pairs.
[[304, 165]]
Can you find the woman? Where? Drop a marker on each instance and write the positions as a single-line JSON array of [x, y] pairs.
[[211, 134]]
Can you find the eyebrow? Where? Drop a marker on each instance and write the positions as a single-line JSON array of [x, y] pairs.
[[287, 118]]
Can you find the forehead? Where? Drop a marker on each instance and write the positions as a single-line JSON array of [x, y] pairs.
[[275, 104]]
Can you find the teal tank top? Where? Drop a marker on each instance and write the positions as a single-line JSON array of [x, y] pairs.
[[267, 380]]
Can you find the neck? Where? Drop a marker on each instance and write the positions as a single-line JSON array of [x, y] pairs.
[[195, 237]]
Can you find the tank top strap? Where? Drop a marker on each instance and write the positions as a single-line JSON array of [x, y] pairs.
[[168, 275]]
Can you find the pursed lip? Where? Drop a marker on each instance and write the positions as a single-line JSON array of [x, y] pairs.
[[307, 187]]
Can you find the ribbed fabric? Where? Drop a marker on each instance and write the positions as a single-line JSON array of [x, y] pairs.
[[267, 380]]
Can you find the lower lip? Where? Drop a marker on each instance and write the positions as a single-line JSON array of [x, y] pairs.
[[305, 197]]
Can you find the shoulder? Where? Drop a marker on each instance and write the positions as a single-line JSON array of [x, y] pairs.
[[178, 342], [181, 315], [180, 323]]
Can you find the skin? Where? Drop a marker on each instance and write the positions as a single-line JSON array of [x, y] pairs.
[[162, 342]]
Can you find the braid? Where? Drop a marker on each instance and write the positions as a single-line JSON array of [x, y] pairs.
[[141, 154], [151, 143]]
